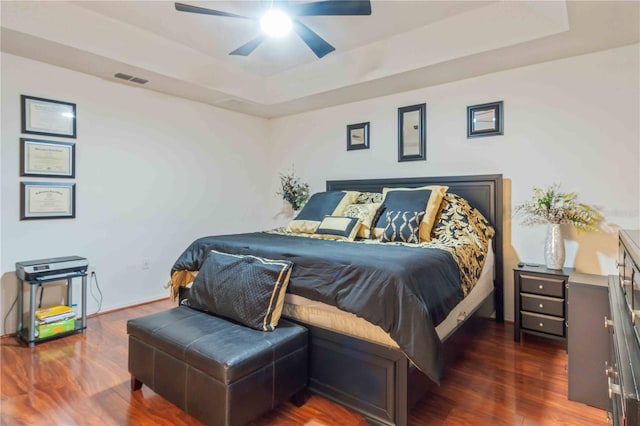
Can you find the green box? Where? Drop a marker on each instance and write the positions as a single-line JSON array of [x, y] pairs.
[[53, 328]]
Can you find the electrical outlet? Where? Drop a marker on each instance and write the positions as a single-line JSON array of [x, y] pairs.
[[91, 269]]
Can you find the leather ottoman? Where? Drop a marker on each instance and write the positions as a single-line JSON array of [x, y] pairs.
[[218, 371]]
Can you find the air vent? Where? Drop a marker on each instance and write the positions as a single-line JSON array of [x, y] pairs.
[[131, 78], [123, 76]]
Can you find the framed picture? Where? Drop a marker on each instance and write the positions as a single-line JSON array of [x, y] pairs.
[[47, 200], [48, 117], [484, 120], [358, 136], [42, 158], [412, 133]]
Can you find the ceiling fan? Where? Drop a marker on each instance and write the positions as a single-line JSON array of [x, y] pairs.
[[276, 20]]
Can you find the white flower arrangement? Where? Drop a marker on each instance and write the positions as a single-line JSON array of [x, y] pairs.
[[552, 206]]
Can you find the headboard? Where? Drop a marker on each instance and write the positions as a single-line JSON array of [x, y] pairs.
[[483, 192]]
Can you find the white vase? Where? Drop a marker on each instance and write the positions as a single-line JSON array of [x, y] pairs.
[[554, 247]]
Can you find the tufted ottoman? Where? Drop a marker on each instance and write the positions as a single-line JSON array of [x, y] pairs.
[[218, 371]]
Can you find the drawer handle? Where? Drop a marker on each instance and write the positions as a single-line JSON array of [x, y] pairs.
[[613, 388], [619, 265], [541, 324], [541, 286], [541, 306], [609, 371], [607, 322]]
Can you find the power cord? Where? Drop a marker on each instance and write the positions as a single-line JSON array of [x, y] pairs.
[[94, 276], [13, 305]]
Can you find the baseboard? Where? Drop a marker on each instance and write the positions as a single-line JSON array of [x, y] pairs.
[[131, 304]]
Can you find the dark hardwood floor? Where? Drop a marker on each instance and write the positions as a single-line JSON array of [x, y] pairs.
[[83, 380]]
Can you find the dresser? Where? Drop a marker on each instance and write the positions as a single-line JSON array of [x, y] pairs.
[[623, 368], [587, 339], [540, 301]]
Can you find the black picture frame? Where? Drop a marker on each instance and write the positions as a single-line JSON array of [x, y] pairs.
[[358, 136], [47, 200], [412, 133], [485, 120], [48, 117], [45, 158]]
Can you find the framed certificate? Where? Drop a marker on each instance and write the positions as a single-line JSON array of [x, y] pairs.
[[47, 200], [42, 158], [48, 117]]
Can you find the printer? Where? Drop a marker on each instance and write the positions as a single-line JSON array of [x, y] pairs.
[[52, 268]]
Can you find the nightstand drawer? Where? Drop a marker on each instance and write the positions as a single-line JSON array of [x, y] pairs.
[[542, 304], [543, 323], [546, 286]]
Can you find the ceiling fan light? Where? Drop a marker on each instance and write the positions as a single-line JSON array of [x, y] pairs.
[[276, 23]]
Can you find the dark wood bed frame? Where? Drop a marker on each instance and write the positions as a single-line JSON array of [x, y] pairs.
[[375, 380]]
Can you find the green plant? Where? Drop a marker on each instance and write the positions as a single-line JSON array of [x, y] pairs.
[[293, 190], [550, 205]]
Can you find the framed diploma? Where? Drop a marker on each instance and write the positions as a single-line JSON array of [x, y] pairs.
[[47, 200], [42, 158], [48, 117]]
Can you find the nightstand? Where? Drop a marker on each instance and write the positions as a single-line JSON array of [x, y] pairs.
[[540, 301]]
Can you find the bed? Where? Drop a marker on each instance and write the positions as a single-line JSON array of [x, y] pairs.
[[369, 374]]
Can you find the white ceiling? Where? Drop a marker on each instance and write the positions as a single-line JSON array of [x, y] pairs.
[[403, 45], [217, 36]]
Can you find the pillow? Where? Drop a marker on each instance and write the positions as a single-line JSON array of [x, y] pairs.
[[244, 288], [402, 226], [369, 197], [364, 212], [338, 228], [456, 217], [321, 204], [427, 198], [467, 232]]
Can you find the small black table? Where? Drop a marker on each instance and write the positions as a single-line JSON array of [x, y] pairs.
[[540, 301]]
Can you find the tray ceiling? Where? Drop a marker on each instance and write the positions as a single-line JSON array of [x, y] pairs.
[[403, 45]]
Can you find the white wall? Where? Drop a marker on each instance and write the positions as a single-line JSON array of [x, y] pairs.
[[573, 121], [153, 172]]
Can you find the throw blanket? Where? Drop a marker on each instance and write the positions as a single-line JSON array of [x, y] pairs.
[[405, 290]]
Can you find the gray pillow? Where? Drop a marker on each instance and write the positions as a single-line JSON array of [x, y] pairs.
[[245, 288]]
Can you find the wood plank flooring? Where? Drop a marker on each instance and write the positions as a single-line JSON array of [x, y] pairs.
[[83, 380]]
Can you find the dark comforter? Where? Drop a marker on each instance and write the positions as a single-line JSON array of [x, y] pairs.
[[404, 290]]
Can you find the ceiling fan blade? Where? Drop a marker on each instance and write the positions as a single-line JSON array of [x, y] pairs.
[[333, 8], [249, 47], [181, 7], [316, 43]]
